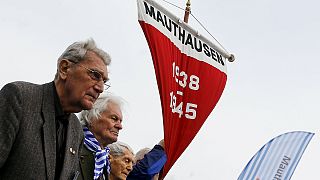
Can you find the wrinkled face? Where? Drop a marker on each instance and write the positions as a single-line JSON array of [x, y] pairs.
[[81, 87], [106, 128], [121, 165]]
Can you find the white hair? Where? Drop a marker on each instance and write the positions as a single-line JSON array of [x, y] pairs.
[[117, 148], [140, 154], [87, 116]]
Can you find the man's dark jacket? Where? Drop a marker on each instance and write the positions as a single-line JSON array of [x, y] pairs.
[[28, 134]]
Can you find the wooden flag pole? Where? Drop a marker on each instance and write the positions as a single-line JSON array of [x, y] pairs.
[[187, 12]]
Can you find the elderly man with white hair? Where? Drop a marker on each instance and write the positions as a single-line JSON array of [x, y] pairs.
[[101, 126]]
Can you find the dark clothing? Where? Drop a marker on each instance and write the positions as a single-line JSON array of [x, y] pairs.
[[28, 148], [87, 164], [61, 119], [150, 165]]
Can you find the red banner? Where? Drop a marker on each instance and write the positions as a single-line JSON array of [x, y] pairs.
[[191, 76]]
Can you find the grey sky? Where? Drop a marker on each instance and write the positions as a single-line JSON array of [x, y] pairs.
[[273, 86]]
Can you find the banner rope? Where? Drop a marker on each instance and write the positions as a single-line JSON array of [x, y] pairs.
[[232, 56]]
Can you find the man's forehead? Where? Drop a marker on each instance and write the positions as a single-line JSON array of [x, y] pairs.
[[125, 157], [92, 57], [128, 154], [114, 108]]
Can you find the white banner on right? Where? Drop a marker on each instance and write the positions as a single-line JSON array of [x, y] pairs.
[[277, 159]]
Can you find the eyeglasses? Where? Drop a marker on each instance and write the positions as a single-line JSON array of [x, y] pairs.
[[95, 75]]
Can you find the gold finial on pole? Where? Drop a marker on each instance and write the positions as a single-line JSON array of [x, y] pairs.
[[187, 12]]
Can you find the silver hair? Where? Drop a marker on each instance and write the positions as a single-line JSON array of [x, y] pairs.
[[140, 154], [76, 52], [87, 116], [117, 148]]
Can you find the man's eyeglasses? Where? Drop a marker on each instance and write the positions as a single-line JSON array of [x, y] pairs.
[[95, 75]]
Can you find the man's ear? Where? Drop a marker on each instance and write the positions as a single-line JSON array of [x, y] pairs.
[[64, 65]]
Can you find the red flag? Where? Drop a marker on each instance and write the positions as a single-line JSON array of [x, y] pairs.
[[190, 72]]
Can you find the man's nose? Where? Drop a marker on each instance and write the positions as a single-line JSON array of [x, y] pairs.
[[129, 167], [99, 86], [118, 125]]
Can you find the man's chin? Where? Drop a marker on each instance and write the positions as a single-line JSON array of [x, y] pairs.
[[115, 139], [123, 177], [87, 105]]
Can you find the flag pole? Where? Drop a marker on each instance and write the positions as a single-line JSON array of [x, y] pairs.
[[187, 12]]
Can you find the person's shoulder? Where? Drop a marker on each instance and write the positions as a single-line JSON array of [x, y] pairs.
[[20, 85], [22, 88], [13, 87]]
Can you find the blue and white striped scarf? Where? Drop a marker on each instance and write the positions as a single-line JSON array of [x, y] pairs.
[[101, 158]]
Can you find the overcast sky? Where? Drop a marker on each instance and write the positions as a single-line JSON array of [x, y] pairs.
[[272, 88]]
